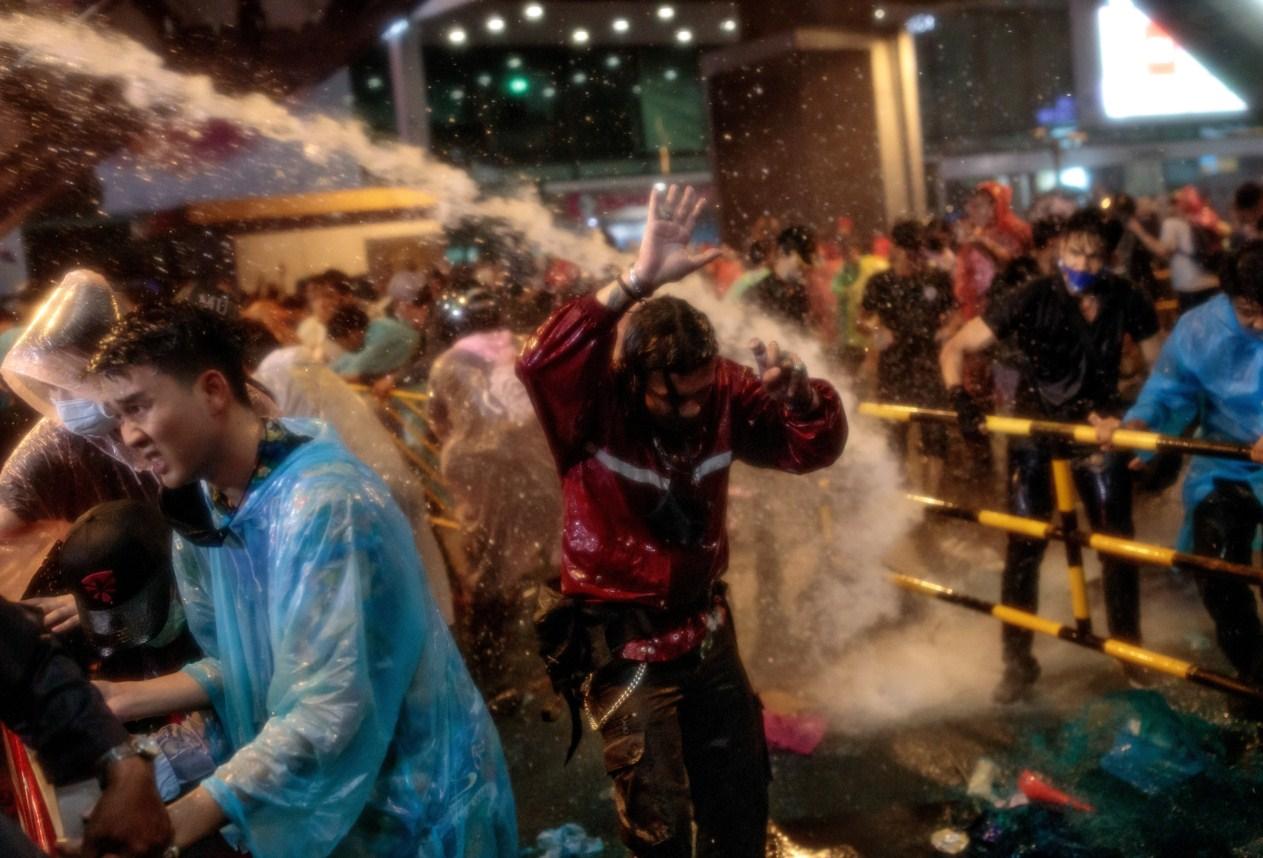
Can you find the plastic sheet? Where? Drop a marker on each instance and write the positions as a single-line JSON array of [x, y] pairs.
[[1212, 366], [1169, 810], [495, 460], [305, 387], [352, 720], [48, 363]]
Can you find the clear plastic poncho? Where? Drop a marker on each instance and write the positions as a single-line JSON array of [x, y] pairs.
[[355, 728], [47, 365], [495, 461], [305, 387]]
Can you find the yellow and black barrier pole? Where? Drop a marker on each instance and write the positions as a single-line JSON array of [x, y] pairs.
[[1120, 650], [1116, 546], [1079, 433], [1068, 520]]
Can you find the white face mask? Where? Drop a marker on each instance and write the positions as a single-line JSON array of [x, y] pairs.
[[84, 417]]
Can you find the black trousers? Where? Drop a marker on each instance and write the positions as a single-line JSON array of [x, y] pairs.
[[687, 747], [1224, 526], [1104, 485]]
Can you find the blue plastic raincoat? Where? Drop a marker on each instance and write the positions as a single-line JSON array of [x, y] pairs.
[[355, 728], [1211, 368]]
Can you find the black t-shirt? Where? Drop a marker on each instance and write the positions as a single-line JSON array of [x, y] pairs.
[[781, 299], [912, 309], [1070, 366]]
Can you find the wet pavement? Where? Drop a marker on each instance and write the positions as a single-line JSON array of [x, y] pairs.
[[882, 785]]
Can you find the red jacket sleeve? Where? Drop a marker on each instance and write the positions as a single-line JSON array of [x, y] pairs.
[[770, 434], [566, 368]]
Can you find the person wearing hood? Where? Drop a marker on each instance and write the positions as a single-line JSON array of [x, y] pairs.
[[353, 725], [1211, 368], [69, 461], [495, 462], [1068, 329]]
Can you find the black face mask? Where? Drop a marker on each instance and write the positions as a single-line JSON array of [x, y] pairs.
[[189, 515]]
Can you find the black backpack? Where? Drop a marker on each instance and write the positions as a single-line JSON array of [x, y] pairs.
[[1209, 249]]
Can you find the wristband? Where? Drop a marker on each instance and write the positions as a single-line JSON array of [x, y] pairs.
[[636, 287]]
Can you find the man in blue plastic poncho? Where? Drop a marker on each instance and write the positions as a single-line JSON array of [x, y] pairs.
[[355, 728], [1212, 369]]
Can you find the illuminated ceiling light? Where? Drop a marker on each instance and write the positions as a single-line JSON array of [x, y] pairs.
[[666, 13], [620, 25], [374, 83], [458, 94], [670, 74], [396, 29], [920, 24], [514, 62], [612, 61], [879, 13], [484, 79], [580, 78], [684, 36], [728, 25], [580, 36], [548, 92], [495, 24], [533, 11], [519, 85], [457, 36]]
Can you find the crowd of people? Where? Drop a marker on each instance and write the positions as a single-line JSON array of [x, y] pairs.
[[244, 492]]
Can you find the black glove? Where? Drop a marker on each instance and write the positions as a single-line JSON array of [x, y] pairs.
[[969, 416]]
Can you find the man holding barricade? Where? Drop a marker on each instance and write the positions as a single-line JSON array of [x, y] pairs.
[[1068, 329], [1212, 369]]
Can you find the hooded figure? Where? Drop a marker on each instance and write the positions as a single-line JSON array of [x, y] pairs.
[[46, 365], [351, 719]]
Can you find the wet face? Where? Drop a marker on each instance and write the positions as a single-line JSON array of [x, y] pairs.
[[169, 424], [1249, 314], [678, 402], [1083, 252], [980, 209]]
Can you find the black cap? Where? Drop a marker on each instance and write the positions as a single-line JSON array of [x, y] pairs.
[[116, 560]]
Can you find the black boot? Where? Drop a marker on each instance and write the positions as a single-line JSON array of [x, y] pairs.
[[1018, 681]]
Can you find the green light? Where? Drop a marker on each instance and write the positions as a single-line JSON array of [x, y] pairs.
[[519, 85]]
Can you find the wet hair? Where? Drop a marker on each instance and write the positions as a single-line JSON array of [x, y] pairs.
[[257, 342], [1248, 196], [178, 339], [797, 239], [1088, 221], [347, 319], [908, 235], [666, 335], [1242, 274], [1046, 230]]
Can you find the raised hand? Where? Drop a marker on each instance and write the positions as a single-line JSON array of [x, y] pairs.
[[664, 255], [783, 374]]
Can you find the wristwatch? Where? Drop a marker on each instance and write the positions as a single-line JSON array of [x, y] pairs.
[[138, 746]]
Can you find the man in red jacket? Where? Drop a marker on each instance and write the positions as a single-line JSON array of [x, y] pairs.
[[643, 442]]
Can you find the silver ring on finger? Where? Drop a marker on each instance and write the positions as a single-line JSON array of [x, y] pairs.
[[171, 851]]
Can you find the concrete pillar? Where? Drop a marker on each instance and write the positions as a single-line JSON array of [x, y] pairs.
[[407, 82], [815, 122]]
